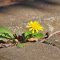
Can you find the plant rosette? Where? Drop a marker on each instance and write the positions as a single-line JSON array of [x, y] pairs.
[[33, 33]]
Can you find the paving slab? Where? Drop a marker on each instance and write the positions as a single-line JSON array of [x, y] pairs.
[[31, 51]]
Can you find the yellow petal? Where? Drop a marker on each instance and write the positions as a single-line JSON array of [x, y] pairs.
[[41, 29], [30, 29], [36, 30], [30, 22], [34, 26]]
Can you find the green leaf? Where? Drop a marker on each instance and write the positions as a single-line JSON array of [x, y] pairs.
[[38, 35], [27, 33], [20, 45], [5, 33]]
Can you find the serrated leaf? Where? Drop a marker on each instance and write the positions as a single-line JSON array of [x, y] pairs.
[[38, 35], [21, 45]]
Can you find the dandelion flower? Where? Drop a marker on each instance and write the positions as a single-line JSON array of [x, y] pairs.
[[34, 26]]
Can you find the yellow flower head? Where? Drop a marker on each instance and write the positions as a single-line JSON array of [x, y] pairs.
[[34, 26]]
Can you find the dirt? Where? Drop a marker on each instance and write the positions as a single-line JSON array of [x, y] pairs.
[[15, 18]]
